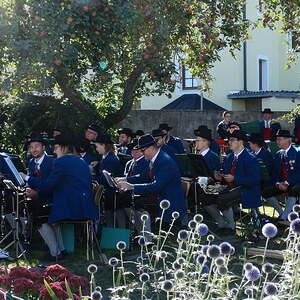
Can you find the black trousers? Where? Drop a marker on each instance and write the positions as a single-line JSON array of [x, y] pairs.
[[273, 190]]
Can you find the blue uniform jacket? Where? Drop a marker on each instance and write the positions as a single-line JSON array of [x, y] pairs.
[[171, 151], [267, 158], [139, 168], [89, 157], [71, 185], [212, 160], [46, 168], [166, 183], [247, 175], [177, 144], [293, 159], [214, 147], [111, 164]]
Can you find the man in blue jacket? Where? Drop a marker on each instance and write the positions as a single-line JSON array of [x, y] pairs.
[[173, 141], [242, 175], [286, 175], [164, 176], [268, 129]]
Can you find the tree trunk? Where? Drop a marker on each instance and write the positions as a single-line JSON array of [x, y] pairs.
[[127, 99]]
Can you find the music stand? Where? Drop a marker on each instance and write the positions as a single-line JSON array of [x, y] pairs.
[[193, 166]]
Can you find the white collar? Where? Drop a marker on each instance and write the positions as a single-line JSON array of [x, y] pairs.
[[204, 152], [40, 160], [256, 153], [155, 156], [285, 152], [237, 155], [136, 160], [104, 155]]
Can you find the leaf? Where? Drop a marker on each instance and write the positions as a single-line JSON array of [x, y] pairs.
[[50, 291], [69, 292]]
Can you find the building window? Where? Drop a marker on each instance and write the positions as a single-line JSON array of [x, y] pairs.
[[263, 74], [296, 41], [188, 81]]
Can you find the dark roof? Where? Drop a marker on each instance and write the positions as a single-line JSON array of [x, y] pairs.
[[264, 94], [193, 102]]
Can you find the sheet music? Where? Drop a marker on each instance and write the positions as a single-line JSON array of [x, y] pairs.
[[110, 180], [13, 169]]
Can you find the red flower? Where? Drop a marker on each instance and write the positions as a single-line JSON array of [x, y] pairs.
[[36, 274], [21, 285], [56, 271], [57, 288], [18, 272], [4, 281], [78, 281]]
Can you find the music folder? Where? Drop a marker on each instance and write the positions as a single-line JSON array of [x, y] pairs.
[[110, 180]]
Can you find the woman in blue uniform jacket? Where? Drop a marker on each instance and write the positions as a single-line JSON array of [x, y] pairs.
[[110, 163]]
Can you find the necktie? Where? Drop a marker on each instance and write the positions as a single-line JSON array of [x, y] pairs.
[[37, 172], [150, 172], [131, 168]]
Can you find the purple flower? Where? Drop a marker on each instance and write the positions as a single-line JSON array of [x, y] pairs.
[[200, 259], [293, 216], [253, 274], [144, 277], [183, 235], [269, 230], [167, 285], [271, 289], [202, 229], [225, 248], [296, 208], [205, 269], [295, 226], [192, 224]]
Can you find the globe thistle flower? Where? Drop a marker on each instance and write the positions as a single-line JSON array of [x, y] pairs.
[[144, 217], [162, 254], [141, 241], [225, 248], [220, 261], [92, 269], [234, 291], [222, 270], [176, 265], [214, 251], [293, 216], [167, 285], [270, 289], [144, 277], [248, 291], [296, 208], [181, 261], [175, 215], [269, 230], [154, 248], [164, 204], [200, 259], [121, 245], [192, 224], [183, 235], [253, 274], [198, 218], [179, 274], [96, 295], [295, 226], [113, 261], [210, 238], [267, 268], [248, 266], [202, 229]]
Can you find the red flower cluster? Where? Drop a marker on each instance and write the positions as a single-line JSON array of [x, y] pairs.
[[22, 280]]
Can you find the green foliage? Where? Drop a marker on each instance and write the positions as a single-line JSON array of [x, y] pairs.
[[103, 55]]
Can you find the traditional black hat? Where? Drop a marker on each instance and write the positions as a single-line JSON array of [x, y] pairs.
[[267, 111], [64, 139], [96, 128], [164, 126], [132, 144], [203, 132], [283, 133], [240, 135], [126, 131], [157, 133], [104, 139], [145, 141], [84, 145], [36, 138], [256, 138], [139, 132]]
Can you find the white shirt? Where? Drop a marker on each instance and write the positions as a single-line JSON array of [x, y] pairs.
[[204, 152], [267, 124], [154, 158], [136, 160], [237, 155], [285, 152], [257, 152], [39, 161]]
